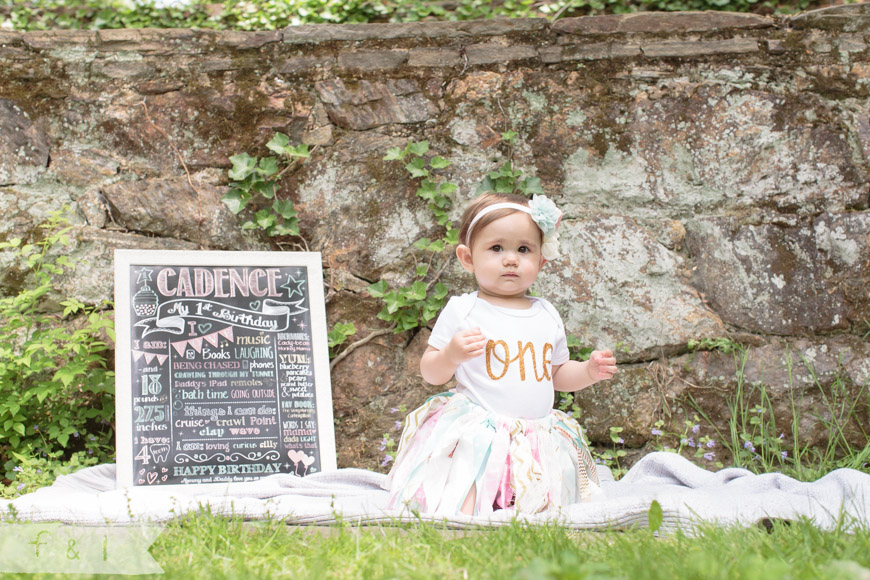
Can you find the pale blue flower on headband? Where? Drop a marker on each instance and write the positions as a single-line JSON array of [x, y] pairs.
[[545, 213], [548, 217]]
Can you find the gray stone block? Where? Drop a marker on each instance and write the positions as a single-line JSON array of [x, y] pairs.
[[433, 57], [372, 60], [690, 48], [659, 22], [480, 54], [316, 33]]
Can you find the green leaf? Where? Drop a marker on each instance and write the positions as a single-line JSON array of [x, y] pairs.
[[422, 269], [379, 289], [487, 185], [268, 166], [418, 148], [440, 290], [265, 219], [235, 200], [265, 188], [289, 228], [340, 332], [278, 143], [447, 188], [417, 167], [297, 151], [284, 208], [243, 166], [417, 291], [438, 162], [427, 189], [395, 154], [422, 243], [531, 186], [655, 516]]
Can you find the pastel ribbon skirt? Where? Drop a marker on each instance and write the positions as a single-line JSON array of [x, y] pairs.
[[450, 446]]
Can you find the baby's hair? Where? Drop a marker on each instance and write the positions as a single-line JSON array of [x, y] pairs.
[[481, 202]]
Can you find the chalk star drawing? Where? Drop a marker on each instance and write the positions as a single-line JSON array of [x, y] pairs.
[[294, 286], [144, 276]]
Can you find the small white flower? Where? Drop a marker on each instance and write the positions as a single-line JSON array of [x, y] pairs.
[[550, 247]]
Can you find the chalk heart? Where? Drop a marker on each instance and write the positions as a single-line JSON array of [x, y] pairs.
[[307, 460], [255, 305], [141, 481], [204, 327], [142, 471], [164, 478], [295, 456], [163, 470], [152, 477]]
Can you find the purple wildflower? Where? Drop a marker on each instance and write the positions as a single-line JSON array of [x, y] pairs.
[[387, 459], [711, 444], [398, 425], [690, 441], [394, 410], [783, 454], [749, 445], [709, 456], [620, 440], [696, 428], [21, 486], [17, 468], [656, 431]]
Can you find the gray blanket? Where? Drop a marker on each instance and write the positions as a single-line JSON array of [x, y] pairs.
[[688, 495]]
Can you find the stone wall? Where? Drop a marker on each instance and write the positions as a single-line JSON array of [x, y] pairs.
[[713, 169]]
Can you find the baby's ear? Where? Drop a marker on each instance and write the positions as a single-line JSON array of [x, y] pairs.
[[463, 252]]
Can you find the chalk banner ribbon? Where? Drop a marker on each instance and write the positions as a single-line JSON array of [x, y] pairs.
[[172, 316], [62, 549]]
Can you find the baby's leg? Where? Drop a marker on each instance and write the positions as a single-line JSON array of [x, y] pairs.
[[470, 500]]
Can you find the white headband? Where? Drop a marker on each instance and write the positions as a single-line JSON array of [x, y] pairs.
[[543, 212], [492, 208]]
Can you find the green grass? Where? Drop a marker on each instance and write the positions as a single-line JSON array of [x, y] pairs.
[[204, 546]]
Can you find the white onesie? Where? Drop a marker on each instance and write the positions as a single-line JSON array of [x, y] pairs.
[[514, 376]]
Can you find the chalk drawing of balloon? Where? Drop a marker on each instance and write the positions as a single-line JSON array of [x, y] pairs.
[[295, 457], [300, 457], [307, 461]]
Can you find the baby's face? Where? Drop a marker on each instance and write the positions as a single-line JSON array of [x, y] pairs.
[[506, 256]]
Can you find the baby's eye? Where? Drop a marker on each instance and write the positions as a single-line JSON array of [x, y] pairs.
[[496, 248], [524, 249]]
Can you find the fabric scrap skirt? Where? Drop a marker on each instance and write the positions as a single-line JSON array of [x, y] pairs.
[[451, 446]]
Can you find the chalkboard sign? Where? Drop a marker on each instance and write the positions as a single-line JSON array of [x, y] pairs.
[[222, 368]]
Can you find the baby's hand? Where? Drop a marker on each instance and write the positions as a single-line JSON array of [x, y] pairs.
[[465, 345], [602, 365]]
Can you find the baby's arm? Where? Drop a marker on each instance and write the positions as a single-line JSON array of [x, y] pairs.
[[438, 366], [575, 375]]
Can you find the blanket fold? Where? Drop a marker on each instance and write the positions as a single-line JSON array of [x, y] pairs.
[[689, 495]]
